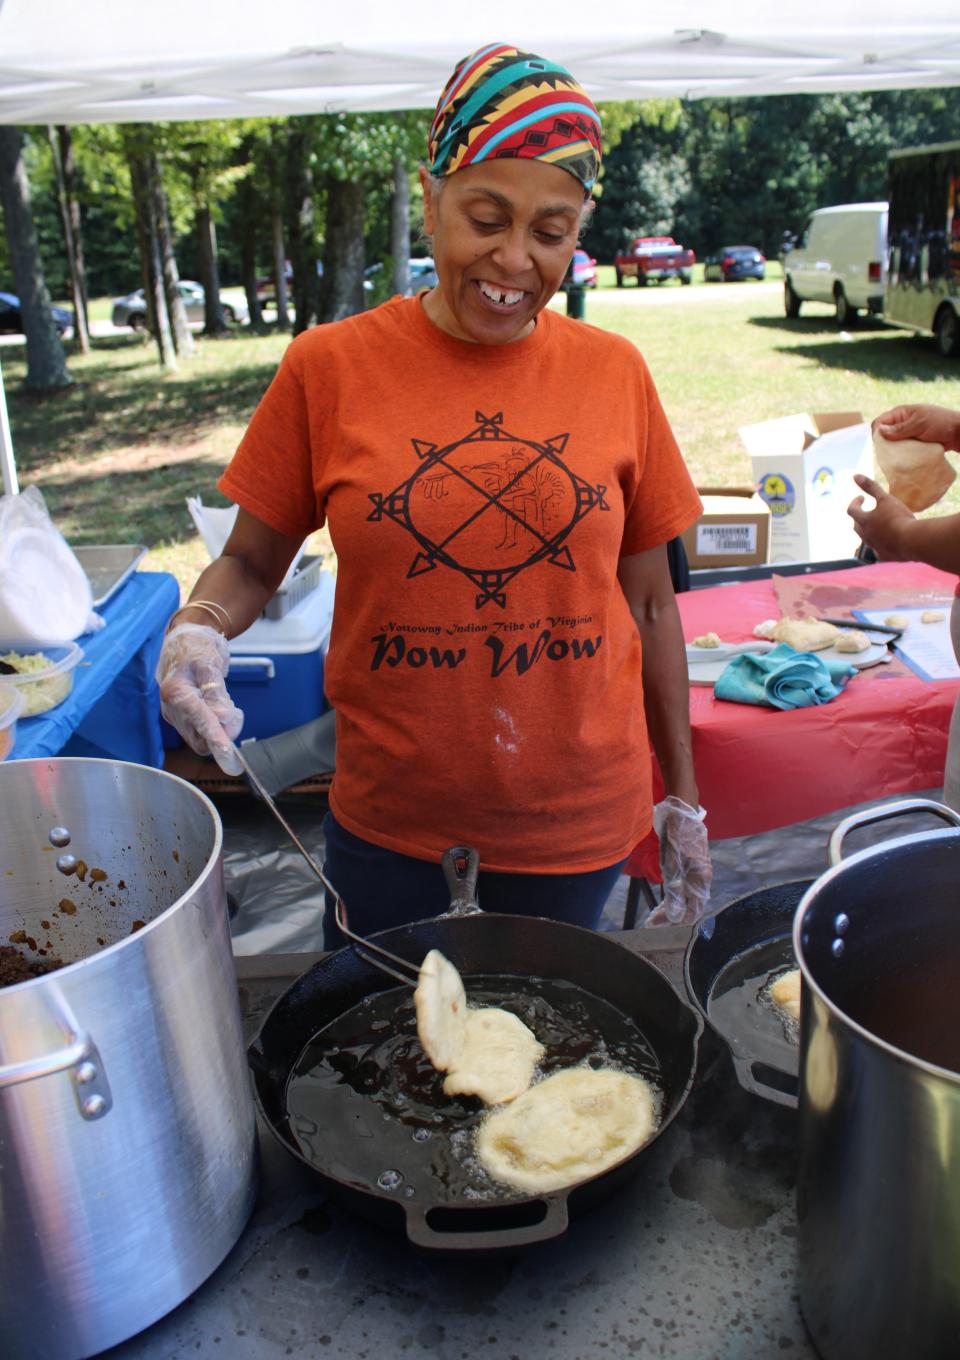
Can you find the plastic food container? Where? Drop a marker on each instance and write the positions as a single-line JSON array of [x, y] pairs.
[[11, 706], [46, 677]]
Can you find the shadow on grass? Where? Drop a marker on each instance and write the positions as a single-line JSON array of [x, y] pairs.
[[874, 348], [115, 406], [136, 505]]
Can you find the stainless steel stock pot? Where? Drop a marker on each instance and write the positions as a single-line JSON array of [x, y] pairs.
[[878, 1192], [127, 1133]]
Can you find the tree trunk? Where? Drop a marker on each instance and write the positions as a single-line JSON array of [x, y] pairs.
[[213, 322], [61, 149], [158, 320], [46, 362], [302, 227], [251, 206], [344, 252], [248, 269], [280, 271], [400, 227], [176, 310]]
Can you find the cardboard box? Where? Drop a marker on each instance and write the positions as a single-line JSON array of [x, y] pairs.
[[803, 466], [733, 530]]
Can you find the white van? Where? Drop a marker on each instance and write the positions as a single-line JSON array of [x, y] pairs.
[[839, 257]]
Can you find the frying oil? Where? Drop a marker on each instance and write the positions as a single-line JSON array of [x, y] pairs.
[[740, 1001], [365, 1104]]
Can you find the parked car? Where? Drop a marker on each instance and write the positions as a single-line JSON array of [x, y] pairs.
[[582, 271], [132, 310], [840, 257], [654, 258], [734, 263], [11, 322], [423, 274], [267, 286]]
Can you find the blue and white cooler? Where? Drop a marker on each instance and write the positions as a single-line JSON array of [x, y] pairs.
[[276, 666]]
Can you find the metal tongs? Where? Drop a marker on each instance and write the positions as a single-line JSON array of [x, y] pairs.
[[460, 864]]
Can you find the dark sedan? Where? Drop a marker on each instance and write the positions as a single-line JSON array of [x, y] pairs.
[[733, 263], [11, 323]]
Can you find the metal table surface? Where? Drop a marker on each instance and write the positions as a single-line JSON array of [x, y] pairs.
[[694, 1259]]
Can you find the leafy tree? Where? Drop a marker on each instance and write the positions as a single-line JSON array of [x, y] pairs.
[[723, 171]]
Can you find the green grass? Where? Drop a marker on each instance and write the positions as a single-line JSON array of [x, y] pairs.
[[116, 454]]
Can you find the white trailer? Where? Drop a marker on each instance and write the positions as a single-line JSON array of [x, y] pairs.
[[923, 243]]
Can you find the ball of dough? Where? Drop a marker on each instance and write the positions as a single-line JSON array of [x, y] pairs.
[[851, 640], [896, 621], [785, 993], [805, 635], [932, 616], [706, 640]]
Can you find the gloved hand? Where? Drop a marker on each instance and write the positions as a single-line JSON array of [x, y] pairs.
[[685, 861], [193, 664]]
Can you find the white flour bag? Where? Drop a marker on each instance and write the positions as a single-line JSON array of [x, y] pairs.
[[45, 594]]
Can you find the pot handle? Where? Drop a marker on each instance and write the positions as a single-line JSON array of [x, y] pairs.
[[80, 1058], [461, 867], [884, 814], [554, 1223], [750, 1076]]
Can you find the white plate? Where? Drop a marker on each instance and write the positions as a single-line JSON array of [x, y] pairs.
[[705, 664], [859, 659]]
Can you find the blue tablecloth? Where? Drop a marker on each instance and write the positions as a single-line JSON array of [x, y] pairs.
[[113, 709]]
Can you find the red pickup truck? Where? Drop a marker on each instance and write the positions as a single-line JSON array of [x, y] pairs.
[[654, 258]]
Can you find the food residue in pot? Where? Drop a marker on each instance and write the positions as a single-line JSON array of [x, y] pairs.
[[98, 875], [68, 907], [81, 869], [16, 967], [137, 925]]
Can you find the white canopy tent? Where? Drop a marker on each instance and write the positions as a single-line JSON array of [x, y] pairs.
[[124, 60], [128, 61]]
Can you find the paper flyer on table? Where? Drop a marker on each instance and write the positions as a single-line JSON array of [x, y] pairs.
[[925, 647]]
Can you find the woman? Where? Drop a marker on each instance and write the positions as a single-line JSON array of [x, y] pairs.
[[500, 483], [896, 535]]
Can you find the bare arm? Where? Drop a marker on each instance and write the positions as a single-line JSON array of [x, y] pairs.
[[645, 580], [896, 535], [246, 574]]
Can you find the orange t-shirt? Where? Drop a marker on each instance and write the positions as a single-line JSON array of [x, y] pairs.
[[484, 665]]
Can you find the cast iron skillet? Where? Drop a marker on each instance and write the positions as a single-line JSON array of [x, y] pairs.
[[522, 946], [750, 937]]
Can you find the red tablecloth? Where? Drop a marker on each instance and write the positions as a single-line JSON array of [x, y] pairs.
[[759, 768]]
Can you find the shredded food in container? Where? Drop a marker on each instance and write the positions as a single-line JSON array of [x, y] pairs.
[[38, 695]]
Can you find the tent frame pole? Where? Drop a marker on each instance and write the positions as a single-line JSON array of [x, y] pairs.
[[7, 465]]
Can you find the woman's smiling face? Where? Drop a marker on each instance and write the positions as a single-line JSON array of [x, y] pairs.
[[503, 233]]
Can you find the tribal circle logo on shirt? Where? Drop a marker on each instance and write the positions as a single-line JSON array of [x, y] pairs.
[[490, 505]]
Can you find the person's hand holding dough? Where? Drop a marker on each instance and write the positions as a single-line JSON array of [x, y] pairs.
[[909, 442]]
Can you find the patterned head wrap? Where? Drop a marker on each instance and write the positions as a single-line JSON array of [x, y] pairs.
[[501, 102]]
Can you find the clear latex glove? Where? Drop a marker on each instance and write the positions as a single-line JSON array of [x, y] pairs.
[[685, 861], [192, 668]]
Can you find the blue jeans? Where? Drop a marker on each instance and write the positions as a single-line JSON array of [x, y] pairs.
[[382, 888]]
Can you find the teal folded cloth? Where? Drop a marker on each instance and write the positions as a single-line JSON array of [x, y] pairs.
[[783, 678]]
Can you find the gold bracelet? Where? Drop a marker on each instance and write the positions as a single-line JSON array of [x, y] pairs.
[[212, 604], [209, 607]]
